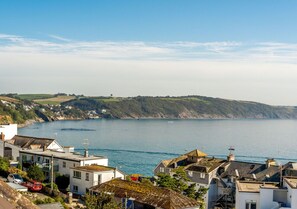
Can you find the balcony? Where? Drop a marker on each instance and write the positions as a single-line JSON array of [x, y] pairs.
[[47, 168]]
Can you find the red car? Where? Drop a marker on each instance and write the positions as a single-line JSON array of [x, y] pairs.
[[34, 186]]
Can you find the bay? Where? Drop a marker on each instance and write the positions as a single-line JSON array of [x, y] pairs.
[[137, 146]]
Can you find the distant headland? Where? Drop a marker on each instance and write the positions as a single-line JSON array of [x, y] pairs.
[[24, 109]]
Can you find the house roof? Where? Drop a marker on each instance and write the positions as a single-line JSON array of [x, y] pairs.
[[29, 142], [14, 198], [196, 153], [245, 170], [205, 165], [253, 187], [62, 155], [96, 168], [146, 194], [291, 181]]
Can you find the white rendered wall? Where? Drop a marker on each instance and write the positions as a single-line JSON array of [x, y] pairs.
[[15, 151], [242, 197], [266, 198], [83, 184], [9, 131], [55, 146], [103, 161], [69, 164]]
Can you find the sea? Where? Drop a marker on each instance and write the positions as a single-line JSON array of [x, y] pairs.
[[137, 146]]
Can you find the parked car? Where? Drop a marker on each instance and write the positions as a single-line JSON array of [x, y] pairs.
[[33, 186], [15, 178]]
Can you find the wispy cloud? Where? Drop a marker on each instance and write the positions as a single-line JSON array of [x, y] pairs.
[[221, 51], [236, 70]]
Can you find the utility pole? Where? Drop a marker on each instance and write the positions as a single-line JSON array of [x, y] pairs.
[[52, 173]]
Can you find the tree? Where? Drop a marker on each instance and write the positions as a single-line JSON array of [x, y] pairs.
[[62, 182], [101, 201], [4, 165], [179, 183], [35, 173]]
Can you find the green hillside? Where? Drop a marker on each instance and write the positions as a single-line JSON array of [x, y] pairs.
[[181, 107], [19, 108]]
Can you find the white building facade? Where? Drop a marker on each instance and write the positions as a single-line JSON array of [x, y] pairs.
[[62, 161], [259, 195], [84, 177]]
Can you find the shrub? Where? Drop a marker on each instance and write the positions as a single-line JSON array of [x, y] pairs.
[[62, 182], [35, 173]]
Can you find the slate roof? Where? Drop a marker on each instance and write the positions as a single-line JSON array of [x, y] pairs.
[[146, 194], [29, 142], [247, 169], [205, 165]]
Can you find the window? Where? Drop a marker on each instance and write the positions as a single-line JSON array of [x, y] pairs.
[[190, 173], [75, 188], [64, 164], [251, 205], [73, 164], [87, 176], [99, 179], [38, 159], [77, 174], [202, 175], [47, 161], [162, 169]]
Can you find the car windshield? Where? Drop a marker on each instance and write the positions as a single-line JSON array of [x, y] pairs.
[[17, 176]]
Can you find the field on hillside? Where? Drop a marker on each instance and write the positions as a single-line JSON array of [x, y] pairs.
[[9, 99], [54, 100], [34, 96]]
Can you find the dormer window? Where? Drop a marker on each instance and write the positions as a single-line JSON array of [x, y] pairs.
[[202, 175]]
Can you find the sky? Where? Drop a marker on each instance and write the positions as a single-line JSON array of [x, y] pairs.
[[242, 50]]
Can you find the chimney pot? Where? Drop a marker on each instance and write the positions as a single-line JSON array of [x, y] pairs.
[[2, 136], [86, 153]]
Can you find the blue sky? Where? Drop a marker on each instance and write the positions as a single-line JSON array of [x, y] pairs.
[[243, 50], [154, 20]]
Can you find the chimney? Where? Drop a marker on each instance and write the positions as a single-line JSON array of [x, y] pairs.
[[270, 162], [231, 156], [2, 136], [44, 148], [86, 153]]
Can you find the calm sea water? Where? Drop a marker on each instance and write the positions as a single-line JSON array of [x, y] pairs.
[[137, 146]]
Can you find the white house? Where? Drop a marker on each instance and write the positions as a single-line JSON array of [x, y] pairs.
[[84, 177], [62, 161], [9, 131], [17, 143], [260, 195]]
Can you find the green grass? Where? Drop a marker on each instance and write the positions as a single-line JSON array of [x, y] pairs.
[[34, 96]]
